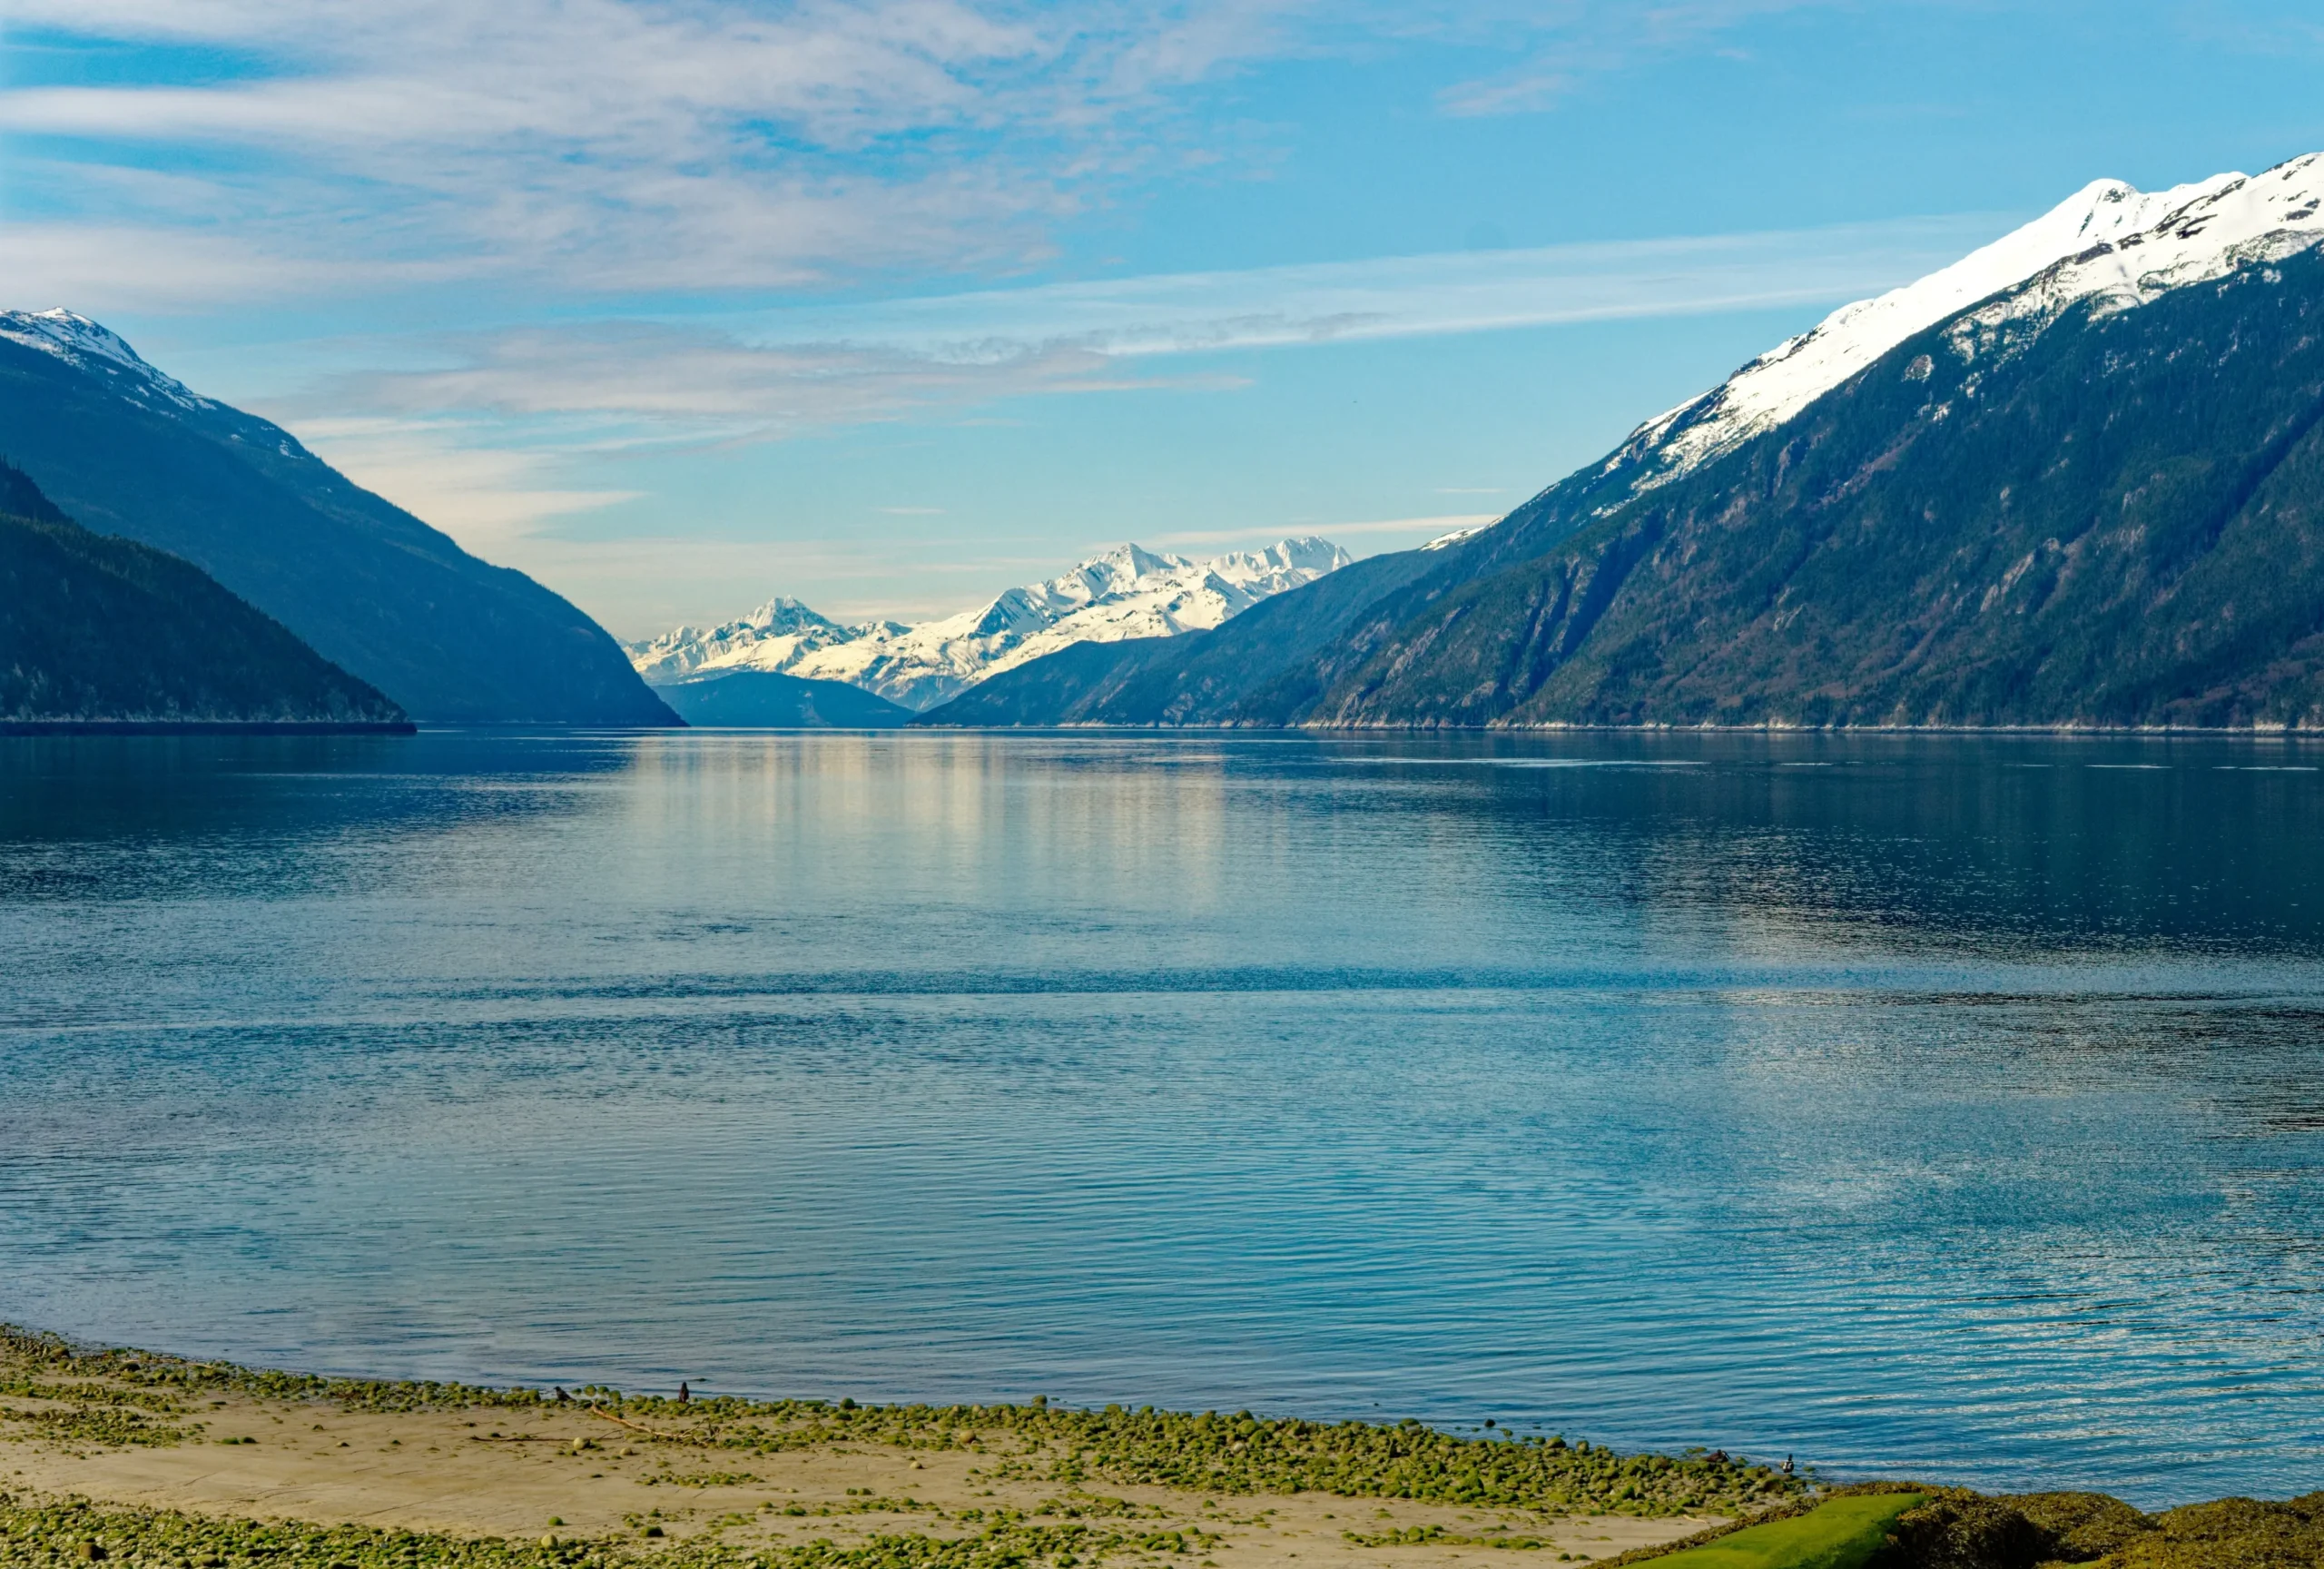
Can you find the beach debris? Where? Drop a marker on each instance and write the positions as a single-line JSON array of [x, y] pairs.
[[633, 1426]]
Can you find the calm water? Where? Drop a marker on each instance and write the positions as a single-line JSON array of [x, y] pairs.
[[1953, 1106]]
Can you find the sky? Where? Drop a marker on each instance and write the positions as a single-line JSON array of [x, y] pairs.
[[889, 305]]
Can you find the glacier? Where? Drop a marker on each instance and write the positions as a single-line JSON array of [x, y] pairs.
[[1126, 592]]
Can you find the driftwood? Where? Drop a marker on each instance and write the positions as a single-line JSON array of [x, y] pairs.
[[635, 1427]]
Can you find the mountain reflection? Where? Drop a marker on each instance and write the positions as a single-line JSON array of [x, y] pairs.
[[2019, 847]]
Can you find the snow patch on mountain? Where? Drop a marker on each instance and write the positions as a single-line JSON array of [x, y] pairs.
[[89, 346], [1446, 541], [2108, 239], [1124, 593]]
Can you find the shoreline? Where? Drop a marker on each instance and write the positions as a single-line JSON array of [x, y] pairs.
[[2063, 731], [164, 1463], [157, 1445], [205, 727]]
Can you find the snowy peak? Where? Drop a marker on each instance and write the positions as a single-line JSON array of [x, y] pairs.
[[2233, 222], [1308, 558], [91, 346], [1130, 573], [2109, 238], [682, 650], [63, 332], [783, 614], [1126, 592]]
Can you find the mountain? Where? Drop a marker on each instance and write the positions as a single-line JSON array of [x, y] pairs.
[[128, 451], [767, 699], [2072, 480], [1127, 593], [94, 629], [1255, 669]]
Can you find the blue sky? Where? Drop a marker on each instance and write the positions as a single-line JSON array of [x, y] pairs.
[[889, 305]]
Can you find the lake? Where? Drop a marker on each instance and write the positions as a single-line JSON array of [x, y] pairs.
[[1928, 1106]]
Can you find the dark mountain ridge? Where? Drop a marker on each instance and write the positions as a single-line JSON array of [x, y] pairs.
[[106, 632], [762, 699], [129, 452]]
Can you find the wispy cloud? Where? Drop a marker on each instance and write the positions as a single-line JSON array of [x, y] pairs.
[[633, 145], [612, 181], [1562, 44], [630, 147], [493, 411], [766, 374], [492, 493], [652, 382]]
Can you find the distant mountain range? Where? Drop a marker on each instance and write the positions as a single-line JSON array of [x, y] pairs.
[[127, 451], [2076, 478], [1127, 593], [106, 631]]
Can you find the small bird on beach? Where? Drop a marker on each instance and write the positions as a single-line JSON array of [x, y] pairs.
[[1787, 1465], [562, 1398], [685, 1393]]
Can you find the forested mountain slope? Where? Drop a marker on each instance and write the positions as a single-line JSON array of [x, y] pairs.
[[2112, 518], [762, 699], [99, 629]]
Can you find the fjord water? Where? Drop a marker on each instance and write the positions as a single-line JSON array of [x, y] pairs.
[[1942, 1107]]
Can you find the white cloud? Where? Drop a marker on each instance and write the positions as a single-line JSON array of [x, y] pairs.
[[1401, 295], [474, 440], [102, 267], [489, 497], [762, 375], [649, 381], [636, 145]]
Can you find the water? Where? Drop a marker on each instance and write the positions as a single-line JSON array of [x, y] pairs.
[[1937, 1107]]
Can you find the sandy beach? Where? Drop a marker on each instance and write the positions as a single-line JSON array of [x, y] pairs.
[[671, 1479]]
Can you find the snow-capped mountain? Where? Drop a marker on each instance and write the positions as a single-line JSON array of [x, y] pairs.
[[1124, 593], [2069, 480], [98, 349], [2108, 240]]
